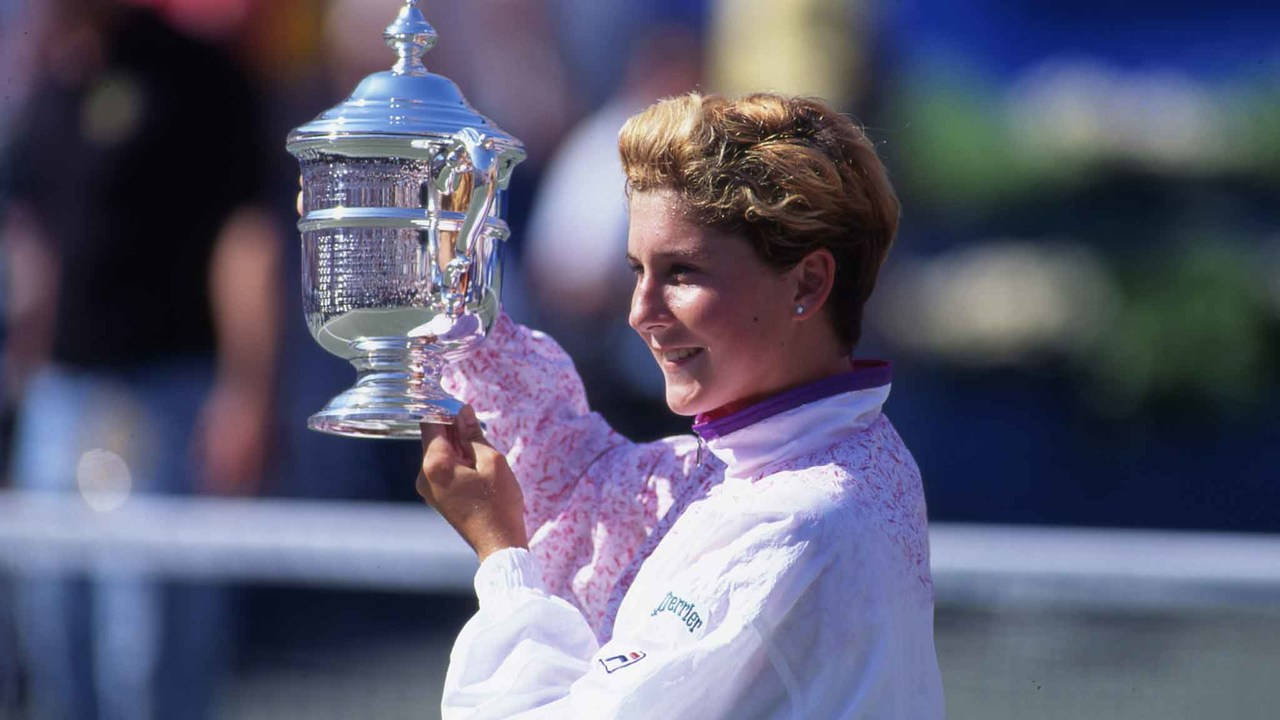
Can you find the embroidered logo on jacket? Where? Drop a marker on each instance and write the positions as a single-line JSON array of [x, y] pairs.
[[681, 608], [617, 662]]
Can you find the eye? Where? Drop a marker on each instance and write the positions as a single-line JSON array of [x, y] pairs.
[[682, 273], [636, 268]]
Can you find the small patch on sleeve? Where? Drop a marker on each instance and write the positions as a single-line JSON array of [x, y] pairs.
[[617, 662]]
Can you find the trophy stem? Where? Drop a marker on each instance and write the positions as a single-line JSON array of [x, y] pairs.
[[397, 389]]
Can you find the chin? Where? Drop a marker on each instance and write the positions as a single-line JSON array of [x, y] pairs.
[[680, 406], [679, 402], [687, 402]]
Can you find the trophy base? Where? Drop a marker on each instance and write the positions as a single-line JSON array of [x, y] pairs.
[[397, 389]]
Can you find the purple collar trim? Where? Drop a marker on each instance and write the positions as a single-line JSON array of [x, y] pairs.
[[865, 374]]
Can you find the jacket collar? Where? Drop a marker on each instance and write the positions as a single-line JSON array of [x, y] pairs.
[[798, 421]]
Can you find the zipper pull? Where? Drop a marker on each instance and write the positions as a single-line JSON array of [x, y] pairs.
[[702, 444]]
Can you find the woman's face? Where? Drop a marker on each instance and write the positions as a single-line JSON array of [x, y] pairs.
[[717, 319]]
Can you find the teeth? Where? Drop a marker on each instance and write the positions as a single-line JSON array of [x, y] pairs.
[[676, 355]]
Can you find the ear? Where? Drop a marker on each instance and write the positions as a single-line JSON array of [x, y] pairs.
[[813, 278]]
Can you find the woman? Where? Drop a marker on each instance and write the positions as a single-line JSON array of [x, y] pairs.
[[783, 572]]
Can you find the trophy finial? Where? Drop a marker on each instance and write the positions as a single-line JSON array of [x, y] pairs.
[[410, 35]]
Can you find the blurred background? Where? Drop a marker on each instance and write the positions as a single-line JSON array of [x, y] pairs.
[[1083, 306]]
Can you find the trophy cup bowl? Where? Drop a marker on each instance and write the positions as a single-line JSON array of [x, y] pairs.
[[402, 236]]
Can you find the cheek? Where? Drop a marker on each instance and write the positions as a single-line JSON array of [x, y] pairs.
[[738, 324], [696, 308], [756, 335]]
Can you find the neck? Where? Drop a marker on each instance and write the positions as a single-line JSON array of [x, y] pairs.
[[830, 365], [860, 375], [799, 421]]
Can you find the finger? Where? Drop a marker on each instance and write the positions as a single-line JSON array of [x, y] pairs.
[[490, 462], [470, 429], [438, 432], [444, 440], [431, 431], [440, 462], [423, 486]]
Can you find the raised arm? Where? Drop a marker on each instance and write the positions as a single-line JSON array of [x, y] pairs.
[[595, 502], [525, 390]]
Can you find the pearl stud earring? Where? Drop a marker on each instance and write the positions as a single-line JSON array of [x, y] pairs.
[[799, 309]]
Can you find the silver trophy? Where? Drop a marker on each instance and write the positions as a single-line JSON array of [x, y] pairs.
[[402, 236]]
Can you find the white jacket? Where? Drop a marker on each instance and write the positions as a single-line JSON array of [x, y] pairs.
[[783, 575]]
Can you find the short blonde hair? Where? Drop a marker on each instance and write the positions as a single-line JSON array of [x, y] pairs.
[[790, 174]]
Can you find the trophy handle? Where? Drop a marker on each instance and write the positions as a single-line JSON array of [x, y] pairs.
[[484, 163]]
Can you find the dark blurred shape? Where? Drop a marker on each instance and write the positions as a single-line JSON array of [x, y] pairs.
[[576, 249], [101, 167], [143, 343], [601, 38]]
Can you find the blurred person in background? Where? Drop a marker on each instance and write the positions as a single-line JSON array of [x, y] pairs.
[[16, 58], [578, 229], [143, 319], [601, 38]]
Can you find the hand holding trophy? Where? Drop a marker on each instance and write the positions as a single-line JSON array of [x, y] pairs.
[[402, 236]]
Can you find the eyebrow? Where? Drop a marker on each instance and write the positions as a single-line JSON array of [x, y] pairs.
[[688, 255]]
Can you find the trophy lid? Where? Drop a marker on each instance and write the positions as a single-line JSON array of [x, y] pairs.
[[401, 110]]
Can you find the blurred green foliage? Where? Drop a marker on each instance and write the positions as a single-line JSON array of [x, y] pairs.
[[1194, 324], [958, 149], [971, 143], [1195, 327]]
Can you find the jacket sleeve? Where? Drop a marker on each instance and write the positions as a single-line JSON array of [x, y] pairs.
[[702, 646], [592, 497], [525, 389]]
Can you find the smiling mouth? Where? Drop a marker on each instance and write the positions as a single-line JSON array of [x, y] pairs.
[[678, 357]]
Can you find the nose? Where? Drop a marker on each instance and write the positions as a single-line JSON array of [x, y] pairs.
[[649, 311]]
